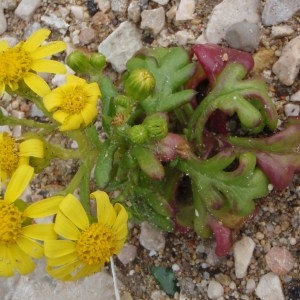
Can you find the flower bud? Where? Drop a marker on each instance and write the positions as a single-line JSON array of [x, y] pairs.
[[79, 62], [123, 101], [138, 134], [157, 125], [97, 61], [139, 84]]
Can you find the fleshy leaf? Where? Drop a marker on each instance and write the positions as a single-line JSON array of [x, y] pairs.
[[166, 279], [278, 155], [247, 98], [171, 68]]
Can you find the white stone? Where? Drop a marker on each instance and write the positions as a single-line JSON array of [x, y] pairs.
[[161, 2], [277, 11], [116, 48], [53, 21], [77, 12], [215, 290], [250, 285], [134, 11], [296, 96], [8, 4], [291, 110], [26, 9], [153, 19], [127, 254], [183, 37], [185, 10], [151, 238], [236, 11], [269, 287], [3, 22], [280, 31], [242, 251], [119, 6], [104, 5], [287, 66]]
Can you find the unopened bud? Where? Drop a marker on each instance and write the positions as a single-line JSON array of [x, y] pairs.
[[138, 134], [79, 62], [97, 61], [156, 125]]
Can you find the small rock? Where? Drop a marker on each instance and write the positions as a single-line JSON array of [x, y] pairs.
[[185, 10], [287, 66], [277, 11], [269, 287], [77, 12], [104, 5], [279, 260], [3, 22], [242, 251], [134, 11], [291, 110], [243, 36], [87, 35], [151, 238], [53, 21], [250, 285], [296, 96], [116, 48], [161, 2], [8, 4], [183, 37], [153, 19], [263, 59], [127, 254], [35, 112], [119, 6], [215, 290], [26, 9], [281, 31], [187, 286]]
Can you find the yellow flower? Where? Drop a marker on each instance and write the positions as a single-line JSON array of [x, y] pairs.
[[85, 247], [21, 62], [73, 103], [18, 235], [14, 154]]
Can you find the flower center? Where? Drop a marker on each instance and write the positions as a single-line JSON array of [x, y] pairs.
[[9, 157], [96, 244], [74, 100], [11, 223], [15, 63]]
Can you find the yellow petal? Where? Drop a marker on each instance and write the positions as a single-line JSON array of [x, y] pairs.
[[92, 89], [62, 260], [65, 228], [32, 147], [122, 216], [74, 79], [48, 66], [37, 84], [2, 88], [36, 39], [53, 100], [20, 260], [86, 271], [63, 273], [105, 212], [73, 210], [42, 208], [89, 113], [40, 231], [18, 182], [60, 116], [49, 49], [71, 123], [6, 267], [57, 248], [30, 247], [3, 46]]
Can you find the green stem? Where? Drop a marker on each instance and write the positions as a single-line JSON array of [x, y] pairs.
[[84, 192], [62, 153], [76, 180]]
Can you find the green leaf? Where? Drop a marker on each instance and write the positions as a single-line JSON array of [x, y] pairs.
[[166, 279]]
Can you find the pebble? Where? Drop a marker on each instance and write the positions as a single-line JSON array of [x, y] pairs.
[[296, 96], [151, 238], [153, 20], [3, 22], [250, 285], [291, 110], [277, 11], [280, 31], [104, 5], [116, 47], [134, 11], [77, 12], [161, 2], [219, 22], [54, 22], [119, 6], [236, 33], [127, 254], [27, 8], [287, 66], [269, 287], [8, 4], [87, 35], [279, 260], [215, 290], [242, 251], [185, 10]]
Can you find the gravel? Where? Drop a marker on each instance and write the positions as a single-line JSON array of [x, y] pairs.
[[92, 25]]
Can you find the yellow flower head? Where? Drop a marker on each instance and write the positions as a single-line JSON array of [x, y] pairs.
[[85, 247], [14, 154], [17, 233], [74, 103], [21, 62]]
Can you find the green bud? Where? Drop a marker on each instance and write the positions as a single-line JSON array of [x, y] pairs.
[[79, 62], [123, 101], [138, 134], [157, 125], [97, 61], [139, 84]]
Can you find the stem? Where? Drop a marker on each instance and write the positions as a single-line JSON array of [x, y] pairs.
[[84, 191], [62, 153], [74, 183]]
